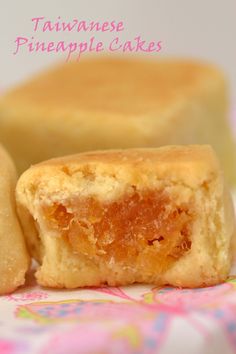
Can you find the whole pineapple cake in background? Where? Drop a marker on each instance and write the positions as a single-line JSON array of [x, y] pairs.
[[111, 103]]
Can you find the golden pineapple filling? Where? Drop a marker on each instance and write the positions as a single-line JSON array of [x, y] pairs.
[[146, 228]]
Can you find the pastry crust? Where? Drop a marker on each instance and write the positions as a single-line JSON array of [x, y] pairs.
[[117, 103], [14, 259], [160, 216]]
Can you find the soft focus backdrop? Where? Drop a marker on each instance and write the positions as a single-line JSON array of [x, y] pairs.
[[204, 29]]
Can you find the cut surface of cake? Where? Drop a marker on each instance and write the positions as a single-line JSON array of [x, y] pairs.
[[113, 103], [161, 216], [14, 259]]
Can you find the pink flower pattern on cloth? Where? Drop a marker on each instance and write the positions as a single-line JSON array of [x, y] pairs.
[[135, 319]]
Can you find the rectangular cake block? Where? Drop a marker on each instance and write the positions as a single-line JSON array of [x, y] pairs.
[[14, 259], [161, 216], [112, 103]]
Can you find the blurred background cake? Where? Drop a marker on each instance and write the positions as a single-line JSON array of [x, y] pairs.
[[110, 103]]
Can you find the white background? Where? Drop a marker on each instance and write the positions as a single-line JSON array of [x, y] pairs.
[[196, 28]]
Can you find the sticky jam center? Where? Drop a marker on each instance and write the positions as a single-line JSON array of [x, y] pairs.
[[146, 229]]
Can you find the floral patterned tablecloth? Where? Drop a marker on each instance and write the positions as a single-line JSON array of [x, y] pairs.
[[135, 319]]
